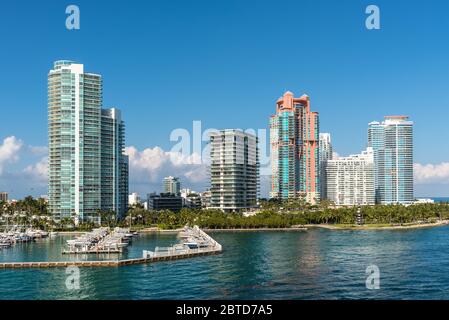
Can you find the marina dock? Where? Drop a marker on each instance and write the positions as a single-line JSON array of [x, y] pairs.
[[101, 240], [196, 243]]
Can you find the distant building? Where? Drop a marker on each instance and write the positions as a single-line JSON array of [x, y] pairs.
[[164, 201], [172, 185], [326, 154], [234, 170], [133, 199], [392, 143], [88, 169], [190, 199], [294, 139], [114, 163], [424, 201], [205, 199], [350, 180], [4, 196]]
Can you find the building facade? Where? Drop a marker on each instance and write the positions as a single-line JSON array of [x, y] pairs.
[[294, 139], [392, 143], [234, 170], [114, 163], [83, 139], [350, 180], [172, 185], [191, 199], [164, 201], [4, 196], [133, 199], [326, 154]]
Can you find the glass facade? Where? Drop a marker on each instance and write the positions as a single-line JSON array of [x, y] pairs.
[[392, 142], [75, 126]]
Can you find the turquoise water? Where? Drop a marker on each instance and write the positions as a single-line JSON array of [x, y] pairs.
[[313, 264]]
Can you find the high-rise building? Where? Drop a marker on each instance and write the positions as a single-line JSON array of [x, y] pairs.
[[234, 170], [326, 154], [172, 185], [87, 167], [4, 196], [392, 143], [114, 163], [294, 138], [350, 180]]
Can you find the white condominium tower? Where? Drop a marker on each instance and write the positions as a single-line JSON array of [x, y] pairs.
[[88, 170], [326, 153], [234, 170], [350, 180]]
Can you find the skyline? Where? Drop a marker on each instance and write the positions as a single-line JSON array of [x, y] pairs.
[[223, 63]]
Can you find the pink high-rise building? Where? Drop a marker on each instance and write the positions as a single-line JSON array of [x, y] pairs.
[[294, 139]]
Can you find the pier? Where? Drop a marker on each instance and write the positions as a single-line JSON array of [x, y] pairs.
[[196, 243], [101, 240]]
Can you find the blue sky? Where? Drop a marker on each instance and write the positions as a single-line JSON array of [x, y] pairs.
[[167, 63]]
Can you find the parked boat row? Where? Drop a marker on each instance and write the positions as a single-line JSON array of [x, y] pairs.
[[19, 235], [100, 240]]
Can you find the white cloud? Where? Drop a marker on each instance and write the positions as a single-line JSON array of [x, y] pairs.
[[38, 172], [151, 165], [9, 151], [38, 150], [431, 173]]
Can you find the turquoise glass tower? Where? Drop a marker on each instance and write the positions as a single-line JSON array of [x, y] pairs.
[[85, 146], [392, 143]]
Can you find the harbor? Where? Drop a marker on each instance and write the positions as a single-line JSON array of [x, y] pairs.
[[193, 242]]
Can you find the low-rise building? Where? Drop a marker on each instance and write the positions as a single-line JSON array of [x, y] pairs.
[[133, 199], [164, 201], [190, 199]]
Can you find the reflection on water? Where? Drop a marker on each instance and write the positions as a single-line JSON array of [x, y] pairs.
[[315, 264]]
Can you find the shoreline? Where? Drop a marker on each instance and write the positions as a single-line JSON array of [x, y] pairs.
[[302, 228], [368, 227], [256, 229]]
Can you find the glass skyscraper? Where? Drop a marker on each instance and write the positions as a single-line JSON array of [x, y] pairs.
[[392, 143], [294, 139], [87, 164]]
